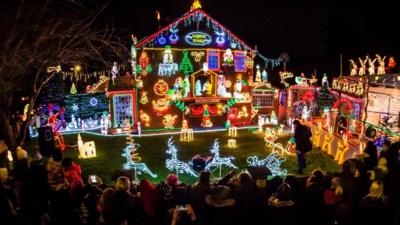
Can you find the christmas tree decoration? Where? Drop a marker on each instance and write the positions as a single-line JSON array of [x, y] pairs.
[[227, 124], [169, 121], [325, 99], [186, 66], [273, 120], [273, 162], [217, 161], [197, 55], [205, 121], [86, 149], [143, 99], [167, 67], [175, 165], [73, 89], [133, 159]]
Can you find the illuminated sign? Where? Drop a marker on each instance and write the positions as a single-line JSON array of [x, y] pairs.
[[198, 38]]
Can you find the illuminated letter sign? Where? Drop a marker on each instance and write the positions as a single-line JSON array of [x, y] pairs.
[[198, 38]]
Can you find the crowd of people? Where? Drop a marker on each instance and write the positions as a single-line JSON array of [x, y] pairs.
[[52, 191]]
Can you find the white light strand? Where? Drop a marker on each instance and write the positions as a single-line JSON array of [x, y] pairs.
[[173, 164]]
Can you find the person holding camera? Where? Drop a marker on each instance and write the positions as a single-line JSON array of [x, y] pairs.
[[184, 214]]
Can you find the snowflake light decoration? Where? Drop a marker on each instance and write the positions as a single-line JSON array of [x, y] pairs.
[[75, 107]]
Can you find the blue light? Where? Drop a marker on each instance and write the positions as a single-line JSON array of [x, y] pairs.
[[161, 40]]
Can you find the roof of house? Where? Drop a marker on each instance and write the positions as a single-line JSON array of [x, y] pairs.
[[122, 83], [197, 15]]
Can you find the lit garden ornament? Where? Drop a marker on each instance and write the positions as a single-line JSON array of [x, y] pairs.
[[167, 67], [274, 120], [217, 161], [327, 144], [232, 131], [354, 68], [133, 159], [87, 149], [371, 66], [317, 135], [273, 162], [232, 143], [363, 67], [173, 164], [280, 129], [381, 62], [305, 114], [186, 133], [342, 149]]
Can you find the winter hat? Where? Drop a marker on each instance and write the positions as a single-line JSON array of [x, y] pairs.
[[219, 197], [21, 153], [172, 180]]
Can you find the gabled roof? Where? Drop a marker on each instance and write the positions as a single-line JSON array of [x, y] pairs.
[[198, 13], [122, 83]]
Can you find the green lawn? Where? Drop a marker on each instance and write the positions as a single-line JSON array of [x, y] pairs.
[[152, 152]]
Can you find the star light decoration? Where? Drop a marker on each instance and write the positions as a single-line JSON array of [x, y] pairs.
[[75, 107], [217, 161], [273, 162], [133, 159], [175, 165]]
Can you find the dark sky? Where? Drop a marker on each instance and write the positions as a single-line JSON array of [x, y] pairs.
[[313, 33]]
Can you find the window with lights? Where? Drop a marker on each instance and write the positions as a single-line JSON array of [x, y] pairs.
[[122, 107], [263, 99]]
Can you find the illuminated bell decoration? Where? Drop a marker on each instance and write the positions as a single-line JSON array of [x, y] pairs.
[[87, 149], [220, 40], [232, 143], [232, 131], [197, 55], [175, 165], [160, 88]]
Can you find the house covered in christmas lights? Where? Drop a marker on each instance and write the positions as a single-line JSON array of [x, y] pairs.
[[195, 69]]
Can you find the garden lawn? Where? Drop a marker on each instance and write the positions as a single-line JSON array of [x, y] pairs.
[[152, 151]]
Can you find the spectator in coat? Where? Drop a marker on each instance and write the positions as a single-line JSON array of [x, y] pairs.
[[72, 173], [149, 200], [220, 204], [282, 206], [302, 135], [374, 206], [107, 208], [391, 154], [126, 203], [371, 156], [199, 192]]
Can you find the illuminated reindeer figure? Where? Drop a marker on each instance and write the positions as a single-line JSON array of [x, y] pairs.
[[133, 159], [173, 164], [354, 68], [371, 66], [363, 68], [381, 67], [217, 161], [273, 162]]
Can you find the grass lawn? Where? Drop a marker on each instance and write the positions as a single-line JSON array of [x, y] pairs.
[[152, 152]]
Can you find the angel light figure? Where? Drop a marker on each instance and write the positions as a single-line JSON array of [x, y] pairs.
[[363, 67], [354, 68], [371, 66], [381, 67]]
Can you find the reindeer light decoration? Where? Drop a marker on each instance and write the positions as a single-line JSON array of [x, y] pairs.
[[327, 144], [217, 161], [273, 162], [354, 68], [317, 135], [363, 68], [371, 66], [133, 159], [173, 164], [343, 148], [381, 67]]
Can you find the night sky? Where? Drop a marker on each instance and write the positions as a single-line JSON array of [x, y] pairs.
[[313, 33]]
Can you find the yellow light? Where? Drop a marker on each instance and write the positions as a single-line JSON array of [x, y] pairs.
[[231, 143], [398, 78], [196, 5], [9, 156], [232, 132], [77, 68]]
